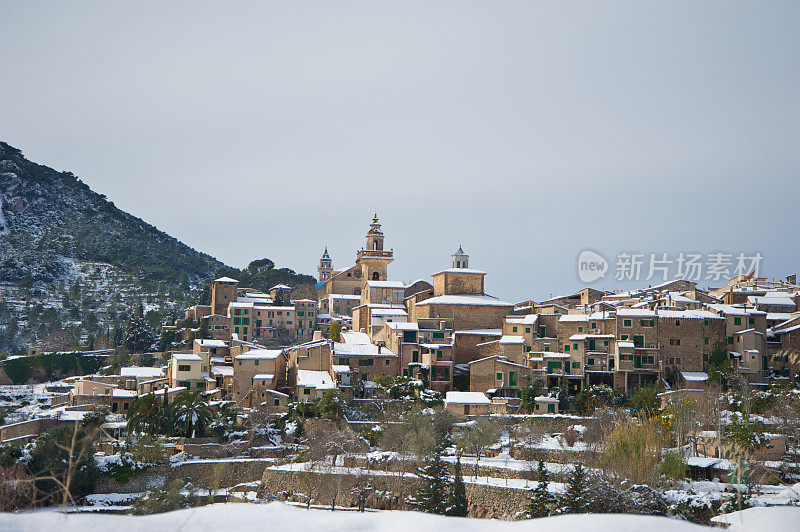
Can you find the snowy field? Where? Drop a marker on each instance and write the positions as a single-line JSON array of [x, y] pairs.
[[239, 516]]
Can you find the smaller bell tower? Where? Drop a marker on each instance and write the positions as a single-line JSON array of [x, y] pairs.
[[325, 268], [460, 259]]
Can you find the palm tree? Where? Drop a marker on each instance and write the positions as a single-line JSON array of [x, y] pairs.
[[144, 414], [192, 412]]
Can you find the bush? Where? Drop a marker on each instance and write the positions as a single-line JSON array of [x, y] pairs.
[[632, 450], [673, 467], [162, 500]]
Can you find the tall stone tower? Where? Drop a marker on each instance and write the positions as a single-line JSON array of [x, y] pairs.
[[223, 291], [325, 268], [460, 259], [373, 259]]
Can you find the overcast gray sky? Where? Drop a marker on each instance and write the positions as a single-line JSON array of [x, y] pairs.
[[524, 131]]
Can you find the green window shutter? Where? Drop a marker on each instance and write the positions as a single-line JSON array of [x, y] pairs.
[[705, 341], [580, 329], [566, 348], [626, 323], [514, 329], [527, 329], [499, 376], [737, 321]]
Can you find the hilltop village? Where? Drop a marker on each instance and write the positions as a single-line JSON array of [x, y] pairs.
[[452, 336], [338, 400]]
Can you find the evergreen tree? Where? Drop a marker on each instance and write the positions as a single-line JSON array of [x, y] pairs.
[[576, 498], [434, 497], [139, 336], [541, 501], [459, 505]]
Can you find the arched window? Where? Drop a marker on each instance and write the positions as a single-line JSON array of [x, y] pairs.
[[375, 276], [375, 245]]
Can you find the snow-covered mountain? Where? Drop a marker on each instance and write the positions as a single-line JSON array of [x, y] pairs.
[[69, 257]]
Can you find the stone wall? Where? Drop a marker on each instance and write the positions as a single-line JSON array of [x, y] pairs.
[[387, 493]]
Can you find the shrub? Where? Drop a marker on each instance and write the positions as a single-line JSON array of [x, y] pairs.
[[673, 467], [162, 500], [632, 450]]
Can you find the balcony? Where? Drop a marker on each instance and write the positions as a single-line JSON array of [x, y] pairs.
[[366, 253]]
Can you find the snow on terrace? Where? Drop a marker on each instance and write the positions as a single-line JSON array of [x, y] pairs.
[[257, 517]]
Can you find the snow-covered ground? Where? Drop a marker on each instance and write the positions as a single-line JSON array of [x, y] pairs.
[[245, 517]]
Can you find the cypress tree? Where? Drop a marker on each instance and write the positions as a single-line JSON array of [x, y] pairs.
[[539, 505], [459, 505], [434, 497]]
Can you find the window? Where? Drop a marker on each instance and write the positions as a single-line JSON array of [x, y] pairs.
[[705, 322], [626, 323], [237, 321], [594, 325], [514, 328], [306, 391], [730, 340], [441, 334], [751, 321], [499, 376], [737, 321], [705, 341], [705, 357], [256, 362], [605, 343], [576, 365], [591, 362], [344, 361], [184, 367], [277, 402], [677, 323], [580, 329], [575, 346], [547, 349], [386, 362], [623, 336], [566, 348], [415, 356], [527, 330]]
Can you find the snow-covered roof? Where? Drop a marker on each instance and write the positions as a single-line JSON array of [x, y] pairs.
[[625, 343], [545, 399], [459, 270], [141, 373], [281, 287], [225, 371], [186, 357], [510, 339], [526, 319], [225, 280], [260, 354], [573, 318], [688, 314], [340, 368], [124, 393], [694, 376], [387, 284], [388, 312], [735, 310], [345, 296], [360, 350], [263, 377], [781, 301], [321, 380], [355, 337], [403, 326], [212, 343], [467, 398], [480, 332], [466, 299]]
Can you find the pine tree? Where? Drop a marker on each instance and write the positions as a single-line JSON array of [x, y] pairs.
[[434, 497], [459, 505], [576, 498], [541, 501]]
